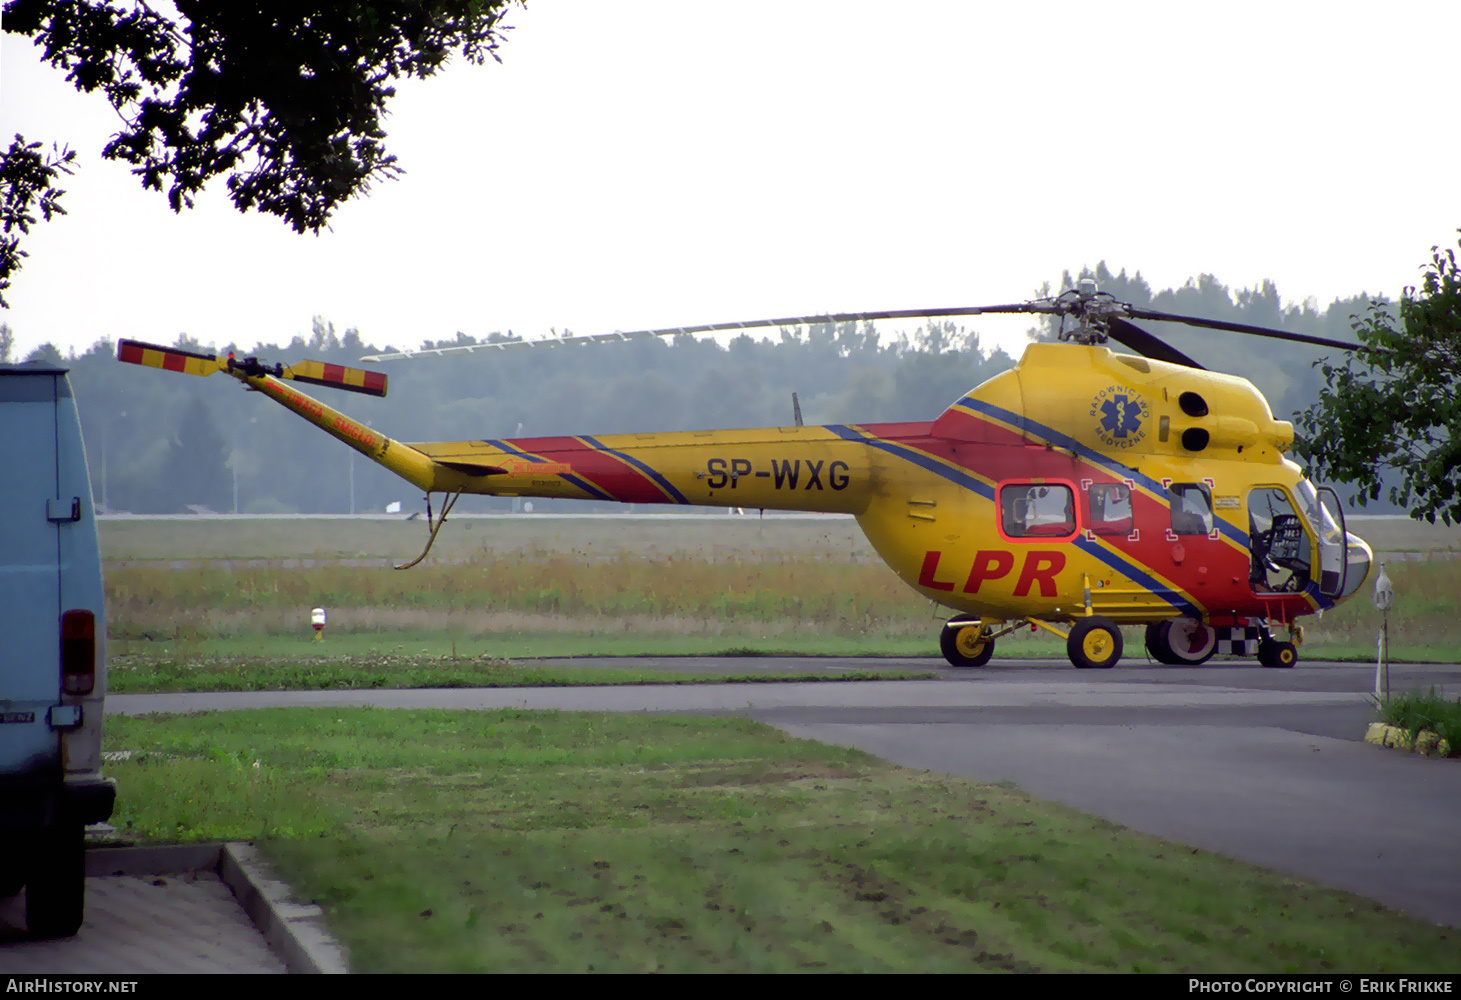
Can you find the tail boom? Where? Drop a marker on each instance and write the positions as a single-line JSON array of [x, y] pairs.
[[775, 468], [405, 461]]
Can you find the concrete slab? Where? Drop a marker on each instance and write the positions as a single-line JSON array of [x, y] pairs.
[[206, 908]]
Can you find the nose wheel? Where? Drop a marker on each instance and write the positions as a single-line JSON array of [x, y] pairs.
[[1094, 643], [966, 642], [1281, 655]]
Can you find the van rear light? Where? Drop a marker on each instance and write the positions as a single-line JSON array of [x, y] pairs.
[[78, 652]]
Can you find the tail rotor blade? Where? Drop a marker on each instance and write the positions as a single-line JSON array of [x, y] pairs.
[[337, 377], [173, 359]]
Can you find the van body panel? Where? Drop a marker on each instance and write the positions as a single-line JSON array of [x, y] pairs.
[[30, 580], [50, 742]]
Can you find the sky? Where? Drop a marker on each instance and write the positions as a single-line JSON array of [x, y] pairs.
[[647, 164]]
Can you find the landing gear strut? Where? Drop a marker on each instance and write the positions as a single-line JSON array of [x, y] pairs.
[[1092, 643]]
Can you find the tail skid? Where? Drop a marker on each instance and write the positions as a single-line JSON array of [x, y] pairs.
[[432, 529]]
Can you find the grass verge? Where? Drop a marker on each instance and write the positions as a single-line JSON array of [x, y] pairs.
[[1418, 713], [435, 659], [535, 842], [181, 671]]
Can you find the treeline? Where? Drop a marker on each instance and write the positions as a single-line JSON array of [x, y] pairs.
[[159, 442]]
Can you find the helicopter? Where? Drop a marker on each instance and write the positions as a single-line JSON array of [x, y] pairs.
[[1080, 491]]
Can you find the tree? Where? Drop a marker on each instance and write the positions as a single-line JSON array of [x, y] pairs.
[[286, 100], [1396, 405], [27, 185]]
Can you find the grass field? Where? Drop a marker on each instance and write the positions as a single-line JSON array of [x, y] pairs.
[[530, 587], [539, 842]]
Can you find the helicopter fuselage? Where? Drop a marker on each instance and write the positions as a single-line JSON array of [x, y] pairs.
[[1081, 486], [1079, 483]]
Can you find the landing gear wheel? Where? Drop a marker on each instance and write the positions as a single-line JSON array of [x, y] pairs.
[[1181, 642], [1094, 643], [966, 645], [55, 893], [1281, 655], [1156, 642], [13, 848]]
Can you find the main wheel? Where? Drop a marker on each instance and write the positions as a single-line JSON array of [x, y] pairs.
[[55, 894], [1156, 642], [1181, 642], [1281, 655], [965, 643], [14, 851], [1094, 643]]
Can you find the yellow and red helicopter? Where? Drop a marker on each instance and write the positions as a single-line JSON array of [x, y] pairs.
[[1078, 492]]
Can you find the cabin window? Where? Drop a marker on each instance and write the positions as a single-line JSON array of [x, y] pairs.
[[1109, 505], [1191, 509], [1037, 510]]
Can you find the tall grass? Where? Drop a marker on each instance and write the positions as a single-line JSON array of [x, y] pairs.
[[682, 590], [819, 592], [1418, 713], [1427, 609]]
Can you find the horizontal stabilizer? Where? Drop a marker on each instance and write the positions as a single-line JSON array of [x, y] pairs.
[[473, 469]]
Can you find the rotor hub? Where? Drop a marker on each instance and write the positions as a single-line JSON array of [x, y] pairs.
[[1091, 312]]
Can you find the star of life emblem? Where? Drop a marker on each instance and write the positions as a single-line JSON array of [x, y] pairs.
[[1120, 416]]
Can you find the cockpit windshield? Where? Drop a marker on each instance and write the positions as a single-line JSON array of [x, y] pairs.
[[1344, 559], [1285, 530]]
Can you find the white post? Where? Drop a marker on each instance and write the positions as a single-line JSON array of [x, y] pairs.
[[1384, 597]]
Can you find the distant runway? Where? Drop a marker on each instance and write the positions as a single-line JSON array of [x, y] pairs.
[[1264, 765]]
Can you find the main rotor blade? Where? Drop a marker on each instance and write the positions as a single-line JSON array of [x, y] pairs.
[[854, 317], [673, 331], [1145, 344], [1260, 331]]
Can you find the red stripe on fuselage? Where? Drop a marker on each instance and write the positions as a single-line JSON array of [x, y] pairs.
[[614, 476], [1211, 571]]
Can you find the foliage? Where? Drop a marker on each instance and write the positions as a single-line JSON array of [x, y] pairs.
[[27, 185], [1418, 713], [1396, 405], [287, 100]]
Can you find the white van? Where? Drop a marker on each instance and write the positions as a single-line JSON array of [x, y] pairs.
[[52, 661]]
